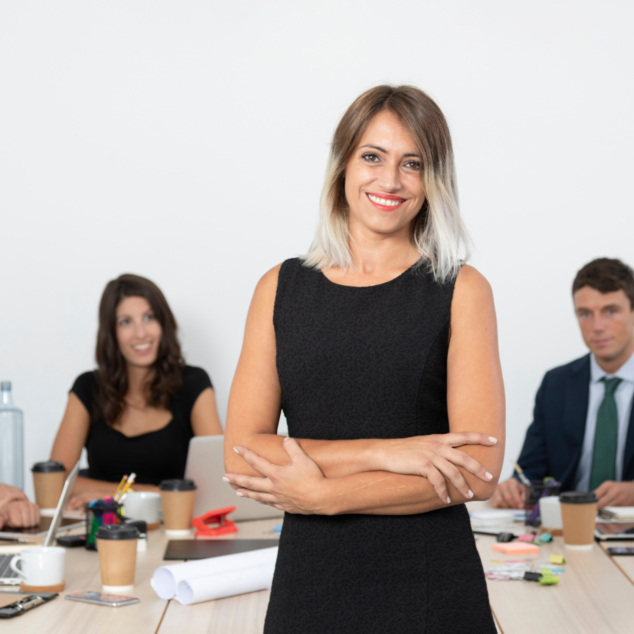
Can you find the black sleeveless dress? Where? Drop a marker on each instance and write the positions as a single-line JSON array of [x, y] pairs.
[[370, 362]]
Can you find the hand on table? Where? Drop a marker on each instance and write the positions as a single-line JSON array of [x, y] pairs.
[[78, 500], [9, 493], [19, 514], [615, 494], [294, 488], [434, 457], [508, 495]]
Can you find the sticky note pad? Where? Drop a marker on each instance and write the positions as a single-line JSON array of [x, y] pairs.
[[557, 559], [516, 548]]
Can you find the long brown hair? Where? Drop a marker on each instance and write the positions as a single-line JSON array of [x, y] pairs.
[[113, 376]]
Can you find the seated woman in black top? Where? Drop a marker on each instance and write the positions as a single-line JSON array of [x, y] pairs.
[[138, 411]]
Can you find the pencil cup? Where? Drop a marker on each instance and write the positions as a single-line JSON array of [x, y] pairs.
[[48, 482], [578, 512], [116, 545], [538, 489], [178, 506], [100, 513]]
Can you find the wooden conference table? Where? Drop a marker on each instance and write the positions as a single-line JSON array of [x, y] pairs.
[[595, 595]]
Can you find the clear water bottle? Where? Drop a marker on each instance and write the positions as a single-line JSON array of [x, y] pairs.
[[11, 439]]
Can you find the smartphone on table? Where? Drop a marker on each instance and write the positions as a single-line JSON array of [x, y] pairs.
[[102, 598], [621, 550]]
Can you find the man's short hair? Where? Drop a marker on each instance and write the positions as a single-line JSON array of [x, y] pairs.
[[606, 276]]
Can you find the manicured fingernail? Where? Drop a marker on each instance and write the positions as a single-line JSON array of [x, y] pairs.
[[470, 493], [287, 438], [488, 475], [448, 500], [493, 439], [236, 450], [240, 495], [225, 479]]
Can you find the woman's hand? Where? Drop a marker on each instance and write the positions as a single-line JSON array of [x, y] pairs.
[[78, 500], [435, 458], [298, 487]]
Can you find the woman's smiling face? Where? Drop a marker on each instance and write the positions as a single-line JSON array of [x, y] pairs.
[[383, 185], [138, 331]]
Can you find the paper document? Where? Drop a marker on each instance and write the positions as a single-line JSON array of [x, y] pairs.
[[249, 569]]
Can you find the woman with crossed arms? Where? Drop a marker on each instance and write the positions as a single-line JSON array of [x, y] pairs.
[[380, 347]]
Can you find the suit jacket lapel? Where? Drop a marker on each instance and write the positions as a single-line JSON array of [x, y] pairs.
[[575, 413], [628, 465]]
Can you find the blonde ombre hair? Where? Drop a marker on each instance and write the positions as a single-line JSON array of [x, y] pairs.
[[438, 231]]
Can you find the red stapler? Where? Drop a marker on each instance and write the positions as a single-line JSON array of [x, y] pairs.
[[215, 523]]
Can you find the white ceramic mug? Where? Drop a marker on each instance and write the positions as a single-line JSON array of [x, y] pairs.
[[143, 505], [550, 512], [40, 566]]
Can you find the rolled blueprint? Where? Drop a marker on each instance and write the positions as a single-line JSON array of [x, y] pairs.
[[225, 584], [166, 578]]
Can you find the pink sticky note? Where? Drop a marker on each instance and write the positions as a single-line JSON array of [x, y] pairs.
[[516, 548]]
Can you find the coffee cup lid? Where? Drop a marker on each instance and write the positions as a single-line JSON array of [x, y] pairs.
[[578, 497], [117, 531], [50, 466], [185, 484]]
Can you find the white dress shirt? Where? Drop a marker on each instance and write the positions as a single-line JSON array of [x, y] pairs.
[[623, 397]]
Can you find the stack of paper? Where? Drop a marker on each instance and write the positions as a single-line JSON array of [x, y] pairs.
[[617, 512], [217, 577]]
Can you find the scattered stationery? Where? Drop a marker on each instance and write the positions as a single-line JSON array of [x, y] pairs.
[[516, 548]]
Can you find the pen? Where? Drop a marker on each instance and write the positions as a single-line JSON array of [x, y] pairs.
[[525, 481], [121, 485], [128, 484], [20, 540]]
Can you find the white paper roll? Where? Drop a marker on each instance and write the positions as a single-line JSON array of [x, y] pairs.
[[225, 584], [166, 578]]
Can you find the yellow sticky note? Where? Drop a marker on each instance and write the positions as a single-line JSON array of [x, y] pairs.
[[557, 559]]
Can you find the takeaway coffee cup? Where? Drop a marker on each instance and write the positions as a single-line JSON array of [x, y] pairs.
[[48, 482], [116, 545], [178, 506], [143, 505], [40, 569], [578, 512]]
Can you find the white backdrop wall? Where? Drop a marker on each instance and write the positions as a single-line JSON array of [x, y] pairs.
[[186, 142]]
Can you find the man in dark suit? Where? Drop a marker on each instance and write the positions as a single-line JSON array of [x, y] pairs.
[[583, 429]]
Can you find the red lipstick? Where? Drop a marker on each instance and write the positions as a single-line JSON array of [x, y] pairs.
[[385, 197]]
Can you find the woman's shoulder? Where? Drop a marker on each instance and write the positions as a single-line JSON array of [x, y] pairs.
[[269, 281], [471, 285], [86, 381], [195, 378], [472, 298], [85, 388]]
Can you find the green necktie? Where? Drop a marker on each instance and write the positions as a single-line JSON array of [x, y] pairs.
[[606, 436]]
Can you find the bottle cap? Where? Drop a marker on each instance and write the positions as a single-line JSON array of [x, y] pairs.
[[184, 484], [578, 497], [117, 531], [50, 466], [5, 386]]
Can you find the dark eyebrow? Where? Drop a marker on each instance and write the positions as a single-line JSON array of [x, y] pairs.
[[380, 149]]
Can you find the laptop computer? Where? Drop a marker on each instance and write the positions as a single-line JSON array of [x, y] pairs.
[[7, 576], [205, 466]]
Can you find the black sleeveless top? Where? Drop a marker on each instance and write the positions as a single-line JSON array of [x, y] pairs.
[[155, 456], [370, 362]]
